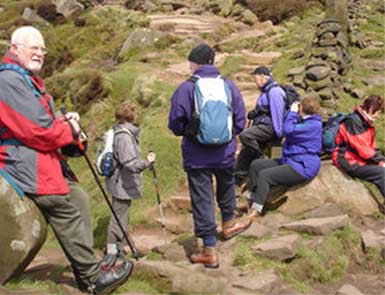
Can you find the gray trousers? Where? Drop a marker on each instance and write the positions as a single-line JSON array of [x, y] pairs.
[[254, 140], [69, 217], [122, 210], [265, 173]]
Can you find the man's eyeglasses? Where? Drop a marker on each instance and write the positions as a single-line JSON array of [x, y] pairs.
[[35, 48]]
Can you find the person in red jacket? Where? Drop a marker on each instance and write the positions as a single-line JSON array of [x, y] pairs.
[[356, 152], [30, 139]]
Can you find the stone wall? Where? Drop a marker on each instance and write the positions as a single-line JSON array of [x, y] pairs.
[[329, 61]]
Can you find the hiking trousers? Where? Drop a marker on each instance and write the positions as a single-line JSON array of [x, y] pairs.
[[254, 140], [202, 198], [70, 228], [266, 173], [372, 173], [122, 210]]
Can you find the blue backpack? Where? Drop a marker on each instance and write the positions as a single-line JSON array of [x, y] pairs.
[[212, 119], [330, 130]]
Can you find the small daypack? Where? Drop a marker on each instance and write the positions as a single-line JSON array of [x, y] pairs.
[[291, 94], [212, 120], [105, 152], [330, 130]]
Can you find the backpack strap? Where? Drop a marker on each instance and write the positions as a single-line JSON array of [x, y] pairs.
[[24, 73], [119, 131]]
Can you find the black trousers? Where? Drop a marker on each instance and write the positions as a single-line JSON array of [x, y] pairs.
[[200, 183], [254, 140], [372, 173], [265, 173]]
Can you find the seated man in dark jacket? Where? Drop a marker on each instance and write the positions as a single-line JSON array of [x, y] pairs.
[[267, 122], [300, 160]]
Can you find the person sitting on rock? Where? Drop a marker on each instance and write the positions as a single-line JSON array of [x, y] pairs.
[[202, 162], [300, 160], [356, 152], [31, 137], [267, 122], [125, 183]]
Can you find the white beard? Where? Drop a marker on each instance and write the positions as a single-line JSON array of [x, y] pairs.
[[34, 66]]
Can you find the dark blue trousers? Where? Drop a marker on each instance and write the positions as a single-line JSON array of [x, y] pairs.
[[202, 198]]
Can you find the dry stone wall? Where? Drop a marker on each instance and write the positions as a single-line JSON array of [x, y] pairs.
[[329, 61]]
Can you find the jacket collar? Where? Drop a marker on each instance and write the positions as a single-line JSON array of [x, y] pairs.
[[270, 82], [364, 115], [207, 71], [37, 81]]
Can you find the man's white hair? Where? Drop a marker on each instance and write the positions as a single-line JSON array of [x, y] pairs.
[[20, 34]]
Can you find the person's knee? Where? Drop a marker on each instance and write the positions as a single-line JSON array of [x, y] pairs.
[[246, 136]]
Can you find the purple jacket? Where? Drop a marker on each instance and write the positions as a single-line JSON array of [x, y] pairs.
[[196, 156], [303, 143], [270, 110]]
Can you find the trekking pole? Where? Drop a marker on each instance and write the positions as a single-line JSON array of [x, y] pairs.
[[162, 221], [134, 251], [248, 123]]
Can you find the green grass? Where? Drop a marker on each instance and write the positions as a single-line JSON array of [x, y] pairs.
[[44, 286], [246, 259]]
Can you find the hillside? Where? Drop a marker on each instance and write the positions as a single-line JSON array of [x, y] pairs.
[[105, 52]]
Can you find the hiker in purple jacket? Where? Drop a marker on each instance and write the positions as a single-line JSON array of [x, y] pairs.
[[202, 162], [300, 159], [267, 119]]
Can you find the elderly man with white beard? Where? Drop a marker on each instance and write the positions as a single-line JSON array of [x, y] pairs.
[[31, 137]]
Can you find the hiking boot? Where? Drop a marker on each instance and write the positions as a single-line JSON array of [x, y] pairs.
[[233, 227], [208, 257], [111, 279], [108, 261]]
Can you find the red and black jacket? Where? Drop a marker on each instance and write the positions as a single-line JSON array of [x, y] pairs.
[[356, 143], [33, 162]]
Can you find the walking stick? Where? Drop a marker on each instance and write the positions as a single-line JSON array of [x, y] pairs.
[[134, 251], [155, 180]]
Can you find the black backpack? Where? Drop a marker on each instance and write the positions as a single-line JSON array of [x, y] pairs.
[[291, 94]]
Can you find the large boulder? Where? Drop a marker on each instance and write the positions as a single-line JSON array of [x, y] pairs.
[[23, 231], [330, 185], [68, 7]]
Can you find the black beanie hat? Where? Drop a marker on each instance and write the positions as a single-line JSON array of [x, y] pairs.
[[262, 70], [202, 55]]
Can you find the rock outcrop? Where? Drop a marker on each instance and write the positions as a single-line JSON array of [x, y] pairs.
[[330, 185], [22, 233]]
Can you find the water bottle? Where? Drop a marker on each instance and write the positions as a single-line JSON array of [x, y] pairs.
[[107, 164]]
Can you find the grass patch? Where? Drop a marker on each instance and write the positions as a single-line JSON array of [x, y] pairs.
[[231, 66], [246, 259], [136, 284], [45, 287], [328, 262]]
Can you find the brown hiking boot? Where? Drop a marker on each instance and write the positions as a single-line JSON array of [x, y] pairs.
[[233, 227], [208, 257]]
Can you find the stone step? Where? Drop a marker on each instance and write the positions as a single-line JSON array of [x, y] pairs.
[[261, 58], [246, 85]]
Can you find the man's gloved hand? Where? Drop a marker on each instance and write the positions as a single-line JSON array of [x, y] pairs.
[[252, 114]]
